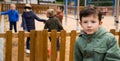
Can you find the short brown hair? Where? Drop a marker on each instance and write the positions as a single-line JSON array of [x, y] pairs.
[[61, 8], [87, 11], [50, 12]]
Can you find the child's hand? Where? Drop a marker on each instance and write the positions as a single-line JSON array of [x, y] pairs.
[[44, 21], [44, 12]]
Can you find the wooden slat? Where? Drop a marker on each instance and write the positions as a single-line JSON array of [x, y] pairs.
[[32, 45], [21, 46], [53, 45], [62, 45], [2, 35], [8, 53], [119, 38], [72, 41], [39, 47], [45, 44], [112, 31]]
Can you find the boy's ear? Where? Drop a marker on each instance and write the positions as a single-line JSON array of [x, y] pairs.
[[100, 23], [80, 23]]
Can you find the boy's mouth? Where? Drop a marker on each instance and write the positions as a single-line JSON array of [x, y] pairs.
[[89, 30]]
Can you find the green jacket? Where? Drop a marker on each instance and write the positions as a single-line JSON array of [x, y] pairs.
[[53, 23], [101, 46]]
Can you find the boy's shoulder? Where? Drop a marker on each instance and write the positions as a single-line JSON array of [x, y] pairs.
[[103, 33], [109, 35], [54, 19]]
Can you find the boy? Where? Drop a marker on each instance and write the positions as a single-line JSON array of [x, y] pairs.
[[59, 13], [53, 23], [13, 16], [95, 43], [28, 22]]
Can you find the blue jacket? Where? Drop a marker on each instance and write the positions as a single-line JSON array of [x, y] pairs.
[[12, 14], [28, 20]]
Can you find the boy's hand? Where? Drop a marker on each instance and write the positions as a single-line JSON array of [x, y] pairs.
[[44, 21], [44, 12]]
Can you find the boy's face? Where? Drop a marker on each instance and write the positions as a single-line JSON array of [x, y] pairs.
[[12, 7], [58, 9], [90, 24]]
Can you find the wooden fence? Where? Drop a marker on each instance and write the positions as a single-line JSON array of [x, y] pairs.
[[20, 7], [38, 44], [43, 7]]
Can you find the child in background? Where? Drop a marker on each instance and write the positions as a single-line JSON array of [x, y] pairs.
[[53, 24], [13, 16], [59, 13], [28, 23], [94, 43]]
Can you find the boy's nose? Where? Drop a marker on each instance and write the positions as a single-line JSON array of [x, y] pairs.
[[89, 24]]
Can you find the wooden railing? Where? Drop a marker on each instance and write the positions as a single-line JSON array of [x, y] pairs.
[[116, 34], [20, 7], [38, 44], [43, 7]]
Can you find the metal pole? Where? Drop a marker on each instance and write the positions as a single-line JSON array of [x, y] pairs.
[[66, 10], [30, 1], [26, 1], [75, 8], [85, 4], [17, 1], [88, 2], [38, 2], [116, 14], [78, 10], [113, 7]]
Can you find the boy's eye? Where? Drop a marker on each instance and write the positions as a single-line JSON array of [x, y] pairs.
[[85, 22], [93, 21]]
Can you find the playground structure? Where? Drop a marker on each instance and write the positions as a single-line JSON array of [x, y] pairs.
[[115, 9]]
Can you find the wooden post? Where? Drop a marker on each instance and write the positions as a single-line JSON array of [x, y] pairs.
[[112, 31], [53, 45], [116, 33], [45, 44], [119, 38], [72, 41], [32, 45], [62, 45], [21, 46], [39, 47], [8, 53]]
